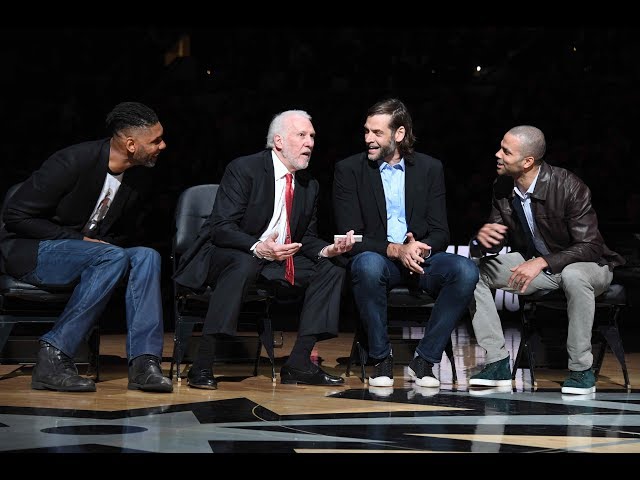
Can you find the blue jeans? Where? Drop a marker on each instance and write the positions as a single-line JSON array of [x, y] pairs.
[[99, 268], [449, 278]]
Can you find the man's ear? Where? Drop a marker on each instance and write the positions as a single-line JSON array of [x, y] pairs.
[[399, 135], [130, 145], [528, 162]]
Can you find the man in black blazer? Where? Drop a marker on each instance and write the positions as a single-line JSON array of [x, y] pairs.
[[395, 198], [250, 234], [74, 221]]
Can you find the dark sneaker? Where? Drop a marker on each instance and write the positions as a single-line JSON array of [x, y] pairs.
[[494, 374], [580, 383], [382, 373], [422, 372]]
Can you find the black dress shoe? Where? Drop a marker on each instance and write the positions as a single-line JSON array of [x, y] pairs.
[[202, 378], [314, 376], [55, 370], [145, 374]]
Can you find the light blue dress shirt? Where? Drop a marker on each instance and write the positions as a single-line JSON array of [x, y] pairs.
[[393, 184]]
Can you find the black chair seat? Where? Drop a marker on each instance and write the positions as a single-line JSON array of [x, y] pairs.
[[16, 289]]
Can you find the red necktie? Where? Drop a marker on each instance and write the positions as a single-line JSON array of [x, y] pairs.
[[288, 198]]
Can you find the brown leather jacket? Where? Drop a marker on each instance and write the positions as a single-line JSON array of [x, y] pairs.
[[561, 205]]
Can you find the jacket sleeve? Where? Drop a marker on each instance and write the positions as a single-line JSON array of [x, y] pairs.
[[581, 220], [436, 219], [346, 208], [229, 208], [32, 208], [311, 243]]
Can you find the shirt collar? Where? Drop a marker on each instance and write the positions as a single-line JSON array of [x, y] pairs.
[[399, 166], [279, 170], [529, 190]]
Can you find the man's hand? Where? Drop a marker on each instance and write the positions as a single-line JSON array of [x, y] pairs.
[[491, 234], [340, 246], [270, 250], [411, 254], [524, 273], [89, 239]]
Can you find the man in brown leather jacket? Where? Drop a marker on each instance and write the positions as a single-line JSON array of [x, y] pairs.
[[544, 214]]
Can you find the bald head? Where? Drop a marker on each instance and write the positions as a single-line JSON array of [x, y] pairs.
[[532, 142]]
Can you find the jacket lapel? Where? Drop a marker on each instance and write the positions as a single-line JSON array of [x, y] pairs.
[[300, 193], [375, 181], [411, 180]]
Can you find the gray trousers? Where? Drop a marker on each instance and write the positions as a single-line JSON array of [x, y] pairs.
[[581, 282]]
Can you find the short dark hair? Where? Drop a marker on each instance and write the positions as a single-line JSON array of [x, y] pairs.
[[400, 117], [130, 115]]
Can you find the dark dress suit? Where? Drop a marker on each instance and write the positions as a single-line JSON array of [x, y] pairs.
[[359, 204], [222, 257], [56, 201]]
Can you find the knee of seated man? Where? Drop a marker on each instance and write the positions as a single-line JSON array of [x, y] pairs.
[[367, 263], [573, 275]]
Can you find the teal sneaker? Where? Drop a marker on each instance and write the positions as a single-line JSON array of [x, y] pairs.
[[580, 383], [494, 374]]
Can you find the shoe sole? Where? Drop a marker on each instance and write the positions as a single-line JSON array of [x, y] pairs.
[[424, 381], [478, 392], [481, 382], [381, 381], [288, 381], [44, 386], [578, 391], [151, 388], [202, 387]]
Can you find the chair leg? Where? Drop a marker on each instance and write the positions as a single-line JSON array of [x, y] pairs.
[[532, 345], [518, 359], [5, 332], [266, 340], [354, 349], [362, 353], [528, 343], [612, 336], [184, 331], [94, 354], [598, 358], [449, 351]]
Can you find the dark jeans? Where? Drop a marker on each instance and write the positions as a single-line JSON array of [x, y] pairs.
[[99, 268], [449, 278]]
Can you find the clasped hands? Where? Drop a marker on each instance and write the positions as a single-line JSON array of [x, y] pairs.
[[270, 250], [411, 253]]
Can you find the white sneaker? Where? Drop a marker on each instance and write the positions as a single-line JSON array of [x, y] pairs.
[[382, 373]]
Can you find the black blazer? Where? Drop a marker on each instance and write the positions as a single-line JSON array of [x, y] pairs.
[[241, 213], [57, 200], [359, 202]]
